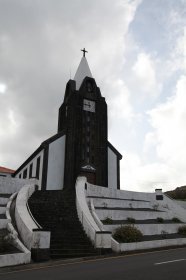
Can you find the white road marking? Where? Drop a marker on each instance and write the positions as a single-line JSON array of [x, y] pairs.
[[180, 260]]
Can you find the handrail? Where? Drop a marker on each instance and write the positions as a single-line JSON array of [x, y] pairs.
[[100, 238], [15, 240], [97, 220], [84, 217], [30, 213]]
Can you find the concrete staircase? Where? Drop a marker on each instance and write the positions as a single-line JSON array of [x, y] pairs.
[[5, 247], [144, 213], [3, 202], [56, 211]]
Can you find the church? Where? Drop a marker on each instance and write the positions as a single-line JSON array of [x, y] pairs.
[[65, 200], [81, 146]]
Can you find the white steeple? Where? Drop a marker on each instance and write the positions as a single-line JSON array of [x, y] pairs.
[[82, 72]]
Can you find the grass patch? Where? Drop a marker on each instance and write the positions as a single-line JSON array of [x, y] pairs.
[[160, 220], [108, 221], [131, 220], [182, 230], [176, 220]]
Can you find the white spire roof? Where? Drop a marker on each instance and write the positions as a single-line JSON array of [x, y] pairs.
[[82, 72]]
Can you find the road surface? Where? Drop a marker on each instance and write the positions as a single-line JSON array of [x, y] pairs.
[[162, 265]]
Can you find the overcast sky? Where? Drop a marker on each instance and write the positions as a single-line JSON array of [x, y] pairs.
[[136, 53]]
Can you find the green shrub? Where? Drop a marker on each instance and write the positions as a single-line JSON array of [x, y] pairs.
[[127, 234], [160, 220], [176, 220], [182, 230], [108, 221], [131, 220]]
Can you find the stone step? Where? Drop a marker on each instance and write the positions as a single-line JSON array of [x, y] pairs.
[[128, 209], [72, 239], [98, 202], [162, 236], [72, 255], [4, 200], [75, 245], [2, 210], [68, 238], [147, 221], [5, 195], [116, 198], [72, 251], [70, 243], [138, 215], [2, 216], [6, 248], [3, 232], [150, 229]]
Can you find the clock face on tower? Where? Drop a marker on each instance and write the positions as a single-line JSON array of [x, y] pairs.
[[88, 105]]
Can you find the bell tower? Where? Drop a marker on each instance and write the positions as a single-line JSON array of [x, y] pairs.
[[83, 117]]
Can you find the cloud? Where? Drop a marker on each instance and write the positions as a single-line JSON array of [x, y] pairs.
[[144, 70], [169, 122], [167, 138], [3, 88], [40, 45], [119, 105], [180, 49]]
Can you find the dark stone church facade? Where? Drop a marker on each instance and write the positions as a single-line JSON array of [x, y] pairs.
[[80, 147]]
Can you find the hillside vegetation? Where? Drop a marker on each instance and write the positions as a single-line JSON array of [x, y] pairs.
[[178, 193]]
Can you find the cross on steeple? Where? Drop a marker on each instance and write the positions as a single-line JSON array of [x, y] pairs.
[[84, 51]]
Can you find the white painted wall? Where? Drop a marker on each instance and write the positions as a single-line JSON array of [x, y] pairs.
[[112, 169], [14, 259], [11, 185], [100, 202], [93, 190], [99, 237], [5, 174], [181, 203], [56, 162], [26, 224], [167, 208], [122, 247], [34, 162], [137, 215], [149, 229]]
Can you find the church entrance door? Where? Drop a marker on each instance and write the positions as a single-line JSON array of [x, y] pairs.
[[91, 177]]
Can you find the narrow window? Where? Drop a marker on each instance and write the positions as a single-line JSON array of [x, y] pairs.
[[92, 159], [20, 175], [38, 167], [25, 174], [30, 170]]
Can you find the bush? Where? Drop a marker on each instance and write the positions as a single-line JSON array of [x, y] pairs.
[[131, 220], [182, 230], [160, 220], [176, 220], [108, 221], [127, 234]]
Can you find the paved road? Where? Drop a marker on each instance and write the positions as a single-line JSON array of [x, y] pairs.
[[163, 265]]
